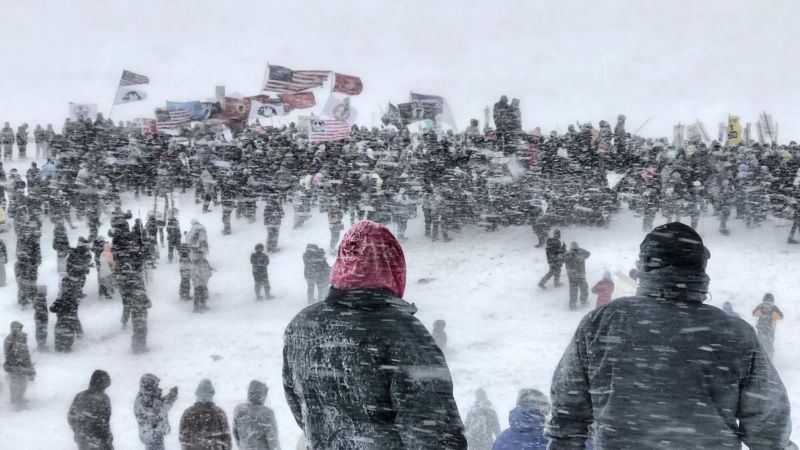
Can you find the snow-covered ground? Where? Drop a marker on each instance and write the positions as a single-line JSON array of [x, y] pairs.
[[504, 332]]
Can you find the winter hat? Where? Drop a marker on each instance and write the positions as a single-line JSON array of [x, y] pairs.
[[768, 298], [607, 275], [16, 326], [673, 244], [259, 247], [573, 245], [480, 395], [148, 382], [369, 257], [205, 391], [99, 380], [257, 392], [439, 324], [533, 398], [727, 307]]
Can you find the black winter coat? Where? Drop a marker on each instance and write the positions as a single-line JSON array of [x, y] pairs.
[[89, 417], [360, 372], [575, 262], [259, 261], [555, 249], [660, 370]]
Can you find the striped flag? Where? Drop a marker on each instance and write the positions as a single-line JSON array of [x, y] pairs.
[[286, 81], [129, 79], [328, 130], [170, 119]]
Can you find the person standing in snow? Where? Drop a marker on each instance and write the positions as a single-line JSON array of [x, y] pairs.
[[554, 250], [254, 425], [482, 426], [18, 364], [3, 261], [197, 239], [316, 271], [439, 335], [273, 216], [344, 395], [173, 234], [575, 262], [151, 410], [604, 289], [611, 379], [795, 217], [204, 425], [41, 317], [105, 271], [185, 268], [259, 260], [526, 423], [767, 315], [90, 415], [7, 142], [200, 274]]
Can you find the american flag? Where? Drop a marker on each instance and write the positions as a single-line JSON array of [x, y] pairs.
[[328, 130], [171, 119], [129, 78], [286, 81]]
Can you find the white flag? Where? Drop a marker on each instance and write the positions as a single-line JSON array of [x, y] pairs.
[[82, 111], [340, 109], [128, 94], [260, 111]]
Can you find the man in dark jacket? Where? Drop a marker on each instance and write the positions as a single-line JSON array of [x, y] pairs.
[[380, 381], [151, 409], [204, 425], [7, 141], [90, 415], [259, 260], [663, 370], [173, 235], [18, 364], [316, 271], [554, 249], [575, 262], [254, 426]]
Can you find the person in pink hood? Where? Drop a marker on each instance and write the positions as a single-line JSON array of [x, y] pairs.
[[359, 370], [106, 272]]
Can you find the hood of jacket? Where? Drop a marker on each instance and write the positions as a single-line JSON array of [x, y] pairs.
[[524, 420]]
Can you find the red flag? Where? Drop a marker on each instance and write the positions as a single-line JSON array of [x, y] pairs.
[[235, 108], [149, 126], [301, 100], [347, 84]]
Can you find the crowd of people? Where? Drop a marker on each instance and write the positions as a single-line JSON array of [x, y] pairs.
[[379, 179]]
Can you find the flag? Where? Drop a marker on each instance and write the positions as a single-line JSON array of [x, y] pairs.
[[128, 95], [392, 116], [347, 84], [82, 111], [284, 80], [301, 100], [129, 79], [265, 110], [327, 130], [734, 131], [195, 109], [235, 108], [211, 110], [415, 111], [433, 99], [336, 108], [149, 126], [167, 119], [694, 133]]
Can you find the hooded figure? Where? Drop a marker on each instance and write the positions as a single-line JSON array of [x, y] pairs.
[[254, 426], [204, 426], [663, 357], [151, 409], [482, 426], [90, 415], [390, 391], [526, 423], [18, 364]]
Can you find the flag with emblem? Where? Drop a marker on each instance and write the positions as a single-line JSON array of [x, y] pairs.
[[235, 108], [283, 80], [392, 116], [300, 100], [415, 111], [82, 111], [131, 79], [327, 130], [337, 108], [347, 84], [265, 110]]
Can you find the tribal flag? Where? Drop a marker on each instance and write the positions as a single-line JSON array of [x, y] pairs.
[[82, 111], [170, 119], [392, 116], [442, 107], [301, 100], [285, 81], [734, 131], [328, 130], [415, 111], [129, 79], [235, 108], [340, 109], [265, 110], [128, 95], [347, 84]]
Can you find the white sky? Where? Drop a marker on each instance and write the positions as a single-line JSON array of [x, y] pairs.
[[566, 60]]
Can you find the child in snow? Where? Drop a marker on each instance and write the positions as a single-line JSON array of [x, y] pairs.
[[439, 334], [526, 423], [604, 288], [259, 260], [767, 315]]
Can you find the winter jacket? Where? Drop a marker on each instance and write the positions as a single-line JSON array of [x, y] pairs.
[[380, 383], [3, 252], [555, 250], [60, 239], [90, 415], [768, 315], [78, 262], [575, 262], [273, 212], [201, 272], [197, 238], [603, 289], [254, 426], [18, 358], [481, 426], [525, 432], [663, 370], [204, 426], [173, 231], [106, 261], [259, 261], [315, 266], [151, 410]]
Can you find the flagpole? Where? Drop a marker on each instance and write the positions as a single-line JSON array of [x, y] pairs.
[[266, 76]]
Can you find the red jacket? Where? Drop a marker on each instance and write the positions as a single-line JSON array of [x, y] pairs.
[[603, 289]]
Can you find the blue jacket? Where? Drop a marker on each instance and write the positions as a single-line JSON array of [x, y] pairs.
[[526, 431]]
